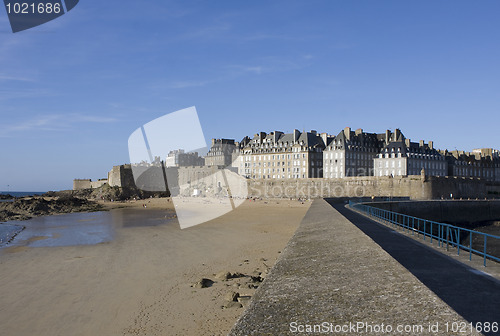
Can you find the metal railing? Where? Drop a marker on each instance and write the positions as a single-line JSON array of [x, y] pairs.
[[444, 234]]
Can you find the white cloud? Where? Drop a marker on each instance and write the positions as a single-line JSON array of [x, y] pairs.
[[4, 77], [52, 122], [263, 65]]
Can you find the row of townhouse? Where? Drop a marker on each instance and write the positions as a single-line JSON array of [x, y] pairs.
[[481, 163], [401, 157], [279, 155], [282, 156]]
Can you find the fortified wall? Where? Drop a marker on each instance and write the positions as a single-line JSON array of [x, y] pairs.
[[88, 183], [415, 187], [209, 180], [119, 176]]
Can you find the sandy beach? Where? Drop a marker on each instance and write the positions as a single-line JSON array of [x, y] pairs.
[[140, 283]]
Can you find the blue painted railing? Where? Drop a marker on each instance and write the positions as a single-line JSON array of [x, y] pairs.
[[443, 234]]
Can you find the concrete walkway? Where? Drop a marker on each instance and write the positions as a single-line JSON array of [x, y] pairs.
[[470, 293], [333, 277]]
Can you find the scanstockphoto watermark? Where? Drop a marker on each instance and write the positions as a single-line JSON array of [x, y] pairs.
[[360, 328], [26, 14], [305, 189], [357, 328]]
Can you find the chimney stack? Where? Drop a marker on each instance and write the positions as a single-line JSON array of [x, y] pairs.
[[358, 131], [387, 136], [261, 136], [431, 144], [421, 143], [324, 137], [407, 142], [347, 133]]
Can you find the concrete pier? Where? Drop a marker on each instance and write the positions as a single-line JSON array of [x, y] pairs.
[[333, 278]]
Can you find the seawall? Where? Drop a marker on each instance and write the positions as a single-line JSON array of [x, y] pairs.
[[446, 211], [414, 187]]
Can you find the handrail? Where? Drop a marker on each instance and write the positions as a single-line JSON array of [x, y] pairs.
[[448, 234]]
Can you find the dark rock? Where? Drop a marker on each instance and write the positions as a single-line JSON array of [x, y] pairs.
[[232, 296], [256, 279], [237, 275], [203, 283]]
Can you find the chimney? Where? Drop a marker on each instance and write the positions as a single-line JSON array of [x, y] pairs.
[[324, 137], [387, 136], [421, 143], [314, 132], [213, 142], [397, 134], [296, 134], [431, 144], [277, 135], [358, 131], [347, 133], [261, 136], [407, 142]]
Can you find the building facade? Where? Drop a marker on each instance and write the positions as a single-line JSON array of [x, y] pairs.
[[283, 156], [220, 153], [351, 153], [482, 163], [401, 157], [178, 158]]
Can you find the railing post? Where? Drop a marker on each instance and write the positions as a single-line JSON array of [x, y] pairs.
[[439, 235], [431, 231], [424, 229], [458, 241], [447, 238], [485, 236], [470, 245]]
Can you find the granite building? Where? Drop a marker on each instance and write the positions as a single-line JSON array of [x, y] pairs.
[[351, 153], [283, 156], [178, 158], [401, 157], [481, 163], [220, 153]]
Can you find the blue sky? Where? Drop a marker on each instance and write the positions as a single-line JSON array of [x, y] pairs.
[[74, 89]]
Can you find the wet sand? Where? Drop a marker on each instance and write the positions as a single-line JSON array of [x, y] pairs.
[[139, 283]]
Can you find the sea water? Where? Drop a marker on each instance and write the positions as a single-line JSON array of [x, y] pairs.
[[83, 228], [8, 231], [22, 193]]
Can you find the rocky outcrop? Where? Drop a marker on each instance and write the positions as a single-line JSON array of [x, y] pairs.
[[29, 207]]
